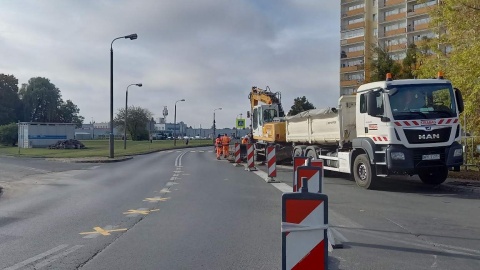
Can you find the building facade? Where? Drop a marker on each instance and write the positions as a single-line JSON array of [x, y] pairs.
[[389, 24]]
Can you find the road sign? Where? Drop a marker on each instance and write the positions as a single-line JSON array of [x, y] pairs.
[[297, 162], [314, 178], [304, 231], [240, 123]]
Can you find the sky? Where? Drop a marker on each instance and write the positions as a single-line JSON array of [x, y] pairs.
[[208, 52]]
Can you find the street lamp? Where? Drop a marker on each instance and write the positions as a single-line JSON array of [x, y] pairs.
[[126, 114], [214, 123], [131, 37], [175, 123]]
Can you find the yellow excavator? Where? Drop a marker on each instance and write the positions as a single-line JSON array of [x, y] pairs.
[[267, 122]]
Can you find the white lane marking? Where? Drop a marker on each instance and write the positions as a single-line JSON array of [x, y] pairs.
[[169, 151], [36, 258], [283, 187], [201, 151], [210, 151], [193, 151], [94, 167], [56, 257], [434, 264]]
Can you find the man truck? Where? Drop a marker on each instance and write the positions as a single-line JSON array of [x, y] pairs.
[[390, 127]]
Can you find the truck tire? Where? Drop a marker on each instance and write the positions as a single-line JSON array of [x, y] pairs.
[[363, 172], [433, 176]]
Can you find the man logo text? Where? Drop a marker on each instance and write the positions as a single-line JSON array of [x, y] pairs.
[[428, 136]]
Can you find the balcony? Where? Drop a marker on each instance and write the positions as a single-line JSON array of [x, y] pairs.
[[395, 17], [351, 68], [420, 11], [352, 40], [351, 1], [350, 83], [420, 27], [354, 26], [390, 3], [354, 54], [398, 31], [354, 12], [397, 47]]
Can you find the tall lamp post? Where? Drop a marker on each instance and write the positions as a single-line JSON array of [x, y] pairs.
[[175, 123], [131, 37], [126, 114], [217, 109]]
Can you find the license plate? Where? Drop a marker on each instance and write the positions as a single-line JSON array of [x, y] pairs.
[[431, 157]]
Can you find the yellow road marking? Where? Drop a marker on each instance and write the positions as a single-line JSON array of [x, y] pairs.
[[99, 230], [155, 199], [143, 212]]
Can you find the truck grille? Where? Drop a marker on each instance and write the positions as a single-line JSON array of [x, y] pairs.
[[415, 136]]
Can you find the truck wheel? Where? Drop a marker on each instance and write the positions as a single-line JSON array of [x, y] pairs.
[[433, 176], [363, 172]]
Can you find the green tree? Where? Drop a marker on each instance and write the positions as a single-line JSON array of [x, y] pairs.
[[42, 102], [68, 113], [409, 63], [137, 122], [381, 64], [9, 134], [455, 51], [9, 101], [300, 104]]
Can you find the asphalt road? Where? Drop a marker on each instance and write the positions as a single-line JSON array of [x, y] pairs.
[[185, 210]]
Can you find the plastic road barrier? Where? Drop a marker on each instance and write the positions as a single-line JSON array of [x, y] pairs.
[[250, 159], [304, 230]]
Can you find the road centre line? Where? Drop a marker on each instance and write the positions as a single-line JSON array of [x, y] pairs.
[[36, 258], [56, 257]]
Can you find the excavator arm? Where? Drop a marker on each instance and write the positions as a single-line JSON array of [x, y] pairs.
[[265, 96]]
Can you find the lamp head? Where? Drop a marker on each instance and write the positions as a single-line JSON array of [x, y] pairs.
[[139, 84], [132, 36], [182, 99]]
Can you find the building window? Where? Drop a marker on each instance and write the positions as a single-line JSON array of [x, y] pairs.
[[374, 17], [353, 34], [356, 6], [374, 3]]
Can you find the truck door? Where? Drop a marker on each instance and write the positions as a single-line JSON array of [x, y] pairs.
[[360, 118]]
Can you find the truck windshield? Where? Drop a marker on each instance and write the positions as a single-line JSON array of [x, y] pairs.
[[423, 101]]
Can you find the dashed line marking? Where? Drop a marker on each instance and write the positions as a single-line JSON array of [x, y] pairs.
[[56, 257], [155, 199], [169, 184], [193, 151], [201, 151], [210, 151], [36, 258], [165, 190]]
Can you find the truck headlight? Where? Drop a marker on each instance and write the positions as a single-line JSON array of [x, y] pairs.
[[397, 155], [458, 152]]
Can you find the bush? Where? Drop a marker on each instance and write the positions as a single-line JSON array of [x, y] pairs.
[[9, 134]]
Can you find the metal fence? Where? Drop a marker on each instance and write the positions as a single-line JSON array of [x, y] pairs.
[[471, 149]]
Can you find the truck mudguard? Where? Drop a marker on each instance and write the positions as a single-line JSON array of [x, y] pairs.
[[367, 145]]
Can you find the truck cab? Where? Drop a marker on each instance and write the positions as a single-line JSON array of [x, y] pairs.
[[407, 127]]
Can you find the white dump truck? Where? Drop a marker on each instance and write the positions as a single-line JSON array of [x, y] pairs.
[[387, 128]]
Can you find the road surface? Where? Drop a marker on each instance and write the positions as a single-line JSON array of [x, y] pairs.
[[183, 209]]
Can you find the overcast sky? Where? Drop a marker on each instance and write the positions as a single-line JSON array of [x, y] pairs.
[[209, 52]]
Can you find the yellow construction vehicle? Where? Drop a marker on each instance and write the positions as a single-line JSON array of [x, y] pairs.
[[267, 121]]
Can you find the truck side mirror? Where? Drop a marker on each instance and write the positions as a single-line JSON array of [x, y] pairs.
[[248, 114], [459, 98], [371, 104]]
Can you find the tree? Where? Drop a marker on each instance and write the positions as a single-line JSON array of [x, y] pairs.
[[9, 134], [9, 101], [409, 63], [137, 122], [455, 52], [68, 113], [300, 104], [381, 64], [42, 102]]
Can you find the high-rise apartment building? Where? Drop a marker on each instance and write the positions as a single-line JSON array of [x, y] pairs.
[[390, 24]]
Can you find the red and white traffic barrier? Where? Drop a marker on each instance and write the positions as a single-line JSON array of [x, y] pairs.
[[271, 164], [297, 162], [250, 158], [238, 159], [304, 217]]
